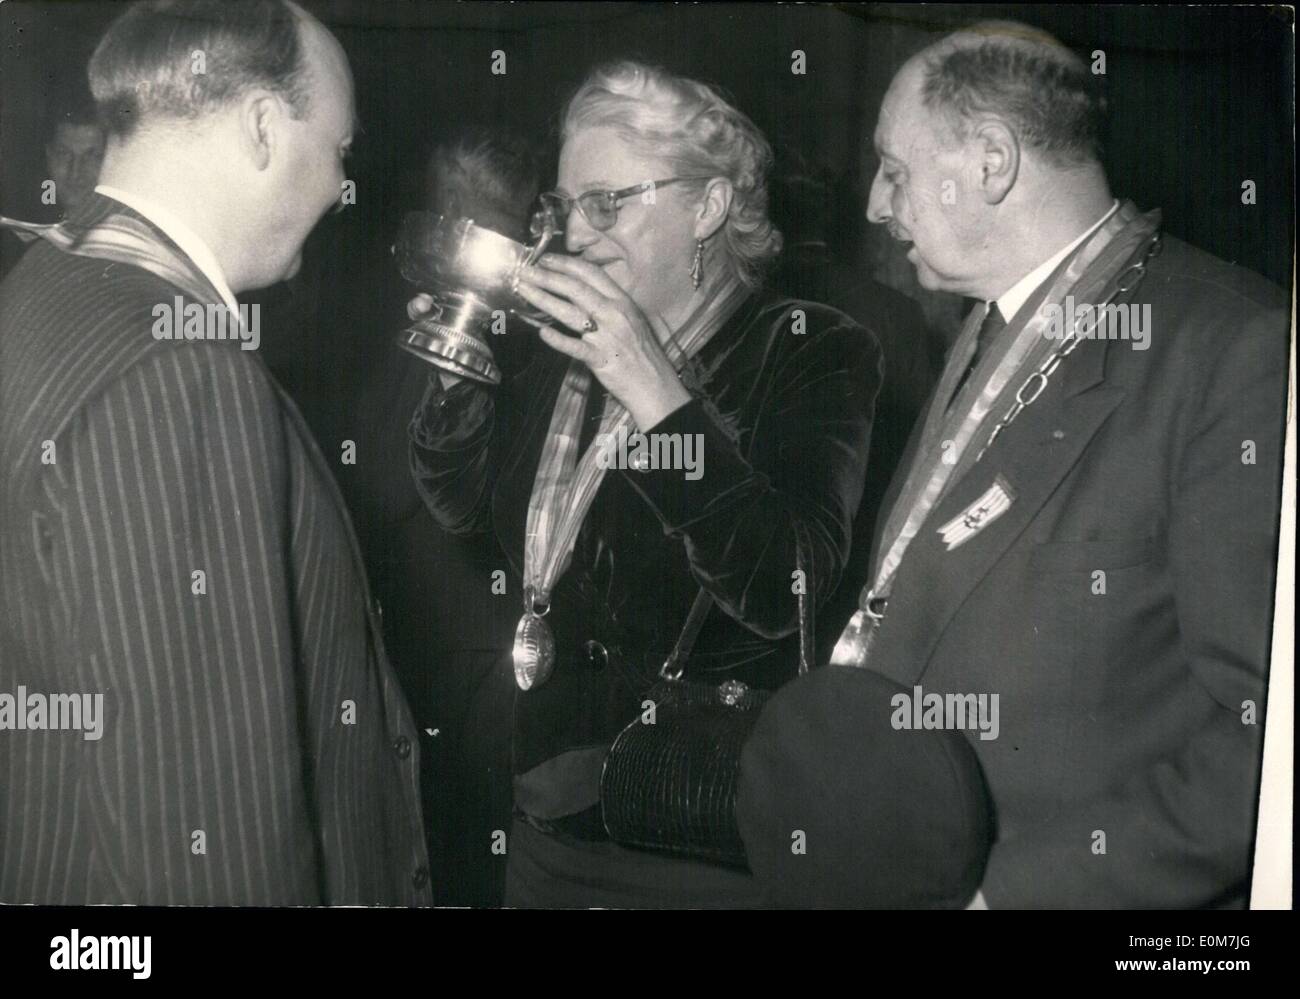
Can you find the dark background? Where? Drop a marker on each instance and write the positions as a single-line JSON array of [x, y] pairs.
[[1201, 98]]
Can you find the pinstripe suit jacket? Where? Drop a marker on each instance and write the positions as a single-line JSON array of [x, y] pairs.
[[255, 746]]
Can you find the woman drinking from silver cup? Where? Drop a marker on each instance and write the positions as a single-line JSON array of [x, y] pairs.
[[684, 430]]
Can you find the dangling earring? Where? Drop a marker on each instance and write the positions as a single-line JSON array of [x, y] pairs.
[[697, 265]]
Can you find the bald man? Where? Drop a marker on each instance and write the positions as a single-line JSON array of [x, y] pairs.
[[1077, 558], [177, 563]]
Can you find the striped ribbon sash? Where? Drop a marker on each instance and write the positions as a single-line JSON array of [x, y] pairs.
[[566, 484], [952, 438], [125, 239]]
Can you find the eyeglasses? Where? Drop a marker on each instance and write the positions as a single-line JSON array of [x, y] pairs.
[[599, 208]]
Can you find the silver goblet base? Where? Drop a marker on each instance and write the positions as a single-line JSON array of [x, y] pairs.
[[453, 337]]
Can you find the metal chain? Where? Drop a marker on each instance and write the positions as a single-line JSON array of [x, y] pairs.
[[1033, 386]]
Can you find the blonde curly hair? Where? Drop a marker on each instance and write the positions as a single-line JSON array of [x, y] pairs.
[[692, 127]]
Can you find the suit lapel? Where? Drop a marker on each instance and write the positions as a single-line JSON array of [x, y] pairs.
[[307, 441], [1030, 458], [101, 208]]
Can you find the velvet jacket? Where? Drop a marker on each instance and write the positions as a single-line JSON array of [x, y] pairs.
[[782, 405]]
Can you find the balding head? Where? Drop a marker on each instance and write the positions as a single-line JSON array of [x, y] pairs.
[[988, 143], [1024, 76], [166, 61], [235, 115]]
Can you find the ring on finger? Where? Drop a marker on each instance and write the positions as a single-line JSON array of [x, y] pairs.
[[589, 326]]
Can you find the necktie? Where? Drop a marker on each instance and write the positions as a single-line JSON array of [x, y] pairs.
[[990, 327]]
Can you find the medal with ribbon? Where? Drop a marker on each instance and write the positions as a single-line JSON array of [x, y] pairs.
[[1110, 262], [566, 484]]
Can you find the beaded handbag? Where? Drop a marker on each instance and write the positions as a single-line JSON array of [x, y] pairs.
[[669, 780]]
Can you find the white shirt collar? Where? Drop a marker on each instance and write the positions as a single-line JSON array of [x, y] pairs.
[[1011, 300], [180, 234]]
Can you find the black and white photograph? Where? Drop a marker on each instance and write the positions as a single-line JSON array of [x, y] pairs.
[[471, 456]]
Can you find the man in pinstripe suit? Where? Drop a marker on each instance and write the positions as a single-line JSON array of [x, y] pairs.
[[170, 537]]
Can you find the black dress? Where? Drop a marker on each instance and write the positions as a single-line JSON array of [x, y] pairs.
[[782, 406]]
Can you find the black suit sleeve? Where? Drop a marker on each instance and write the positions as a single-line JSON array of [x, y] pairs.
[[452, 454]]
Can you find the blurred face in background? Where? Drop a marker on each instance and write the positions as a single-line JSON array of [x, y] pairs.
[[73, 157], [455, 193], [649, 248]]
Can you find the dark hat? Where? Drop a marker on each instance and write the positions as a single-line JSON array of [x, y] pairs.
[[889, 817]]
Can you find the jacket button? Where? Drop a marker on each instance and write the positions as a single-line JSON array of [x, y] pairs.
[[421, 877], [402, 747], [597, 654]]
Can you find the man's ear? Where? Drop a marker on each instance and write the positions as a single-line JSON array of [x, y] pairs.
[[996, 160], [714, 208], [259, 115]]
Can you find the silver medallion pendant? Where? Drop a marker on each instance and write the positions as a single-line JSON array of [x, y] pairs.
[[534, 650]]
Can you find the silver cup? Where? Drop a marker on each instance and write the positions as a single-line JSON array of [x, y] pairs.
[[470, 273]]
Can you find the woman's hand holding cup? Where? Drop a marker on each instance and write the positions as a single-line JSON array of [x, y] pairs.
[[615, 339]]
